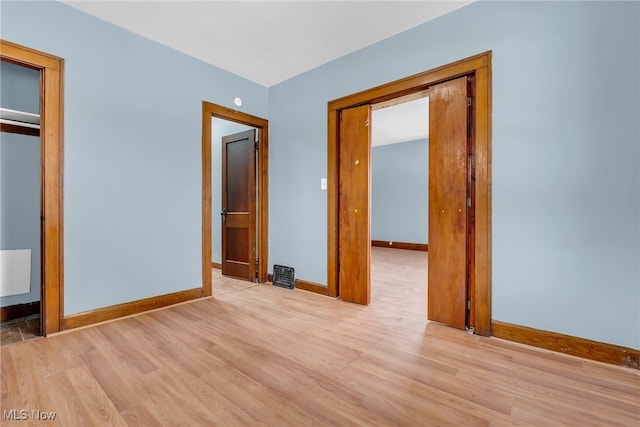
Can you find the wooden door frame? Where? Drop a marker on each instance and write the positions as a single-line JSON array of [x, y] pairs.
[[480, 67], [51, 165], [209, 111]]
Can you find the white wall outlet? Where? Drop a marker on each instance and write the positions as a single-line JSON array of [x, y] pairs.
[[323, 183]]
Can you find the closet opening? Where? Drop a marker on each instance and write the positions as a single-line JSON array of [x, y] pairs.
[[31, 256], [21, 201]]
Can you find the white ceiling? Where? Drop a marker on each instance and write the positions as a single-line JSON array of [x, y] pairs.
[[400, 123], [266, 41]]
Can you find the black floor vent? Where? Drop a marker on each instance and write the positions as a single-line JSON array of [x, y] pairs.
[[284, 276]]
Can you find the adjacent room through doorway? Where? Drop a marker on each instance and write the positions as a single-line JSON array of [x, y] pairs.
[[234, 202], [459, 191], [399, 206], [235, 152]]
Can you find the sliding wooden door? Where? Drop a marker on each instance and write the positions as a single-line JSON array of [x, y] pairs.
[[448, 171], [354, 230]]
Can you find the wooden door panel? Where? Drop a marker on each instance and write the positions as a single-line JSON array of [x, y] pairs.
[[237, 252], [354, 228], [237, 220], [448, 169], [237, 156], [239, 205]]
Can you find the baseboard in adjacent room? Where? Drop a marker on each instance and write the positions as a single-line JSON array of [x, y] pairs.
[[18, 311], [312, 287], [216, 265], [129, 308], [400, 245], [594, 350], [306, 286]]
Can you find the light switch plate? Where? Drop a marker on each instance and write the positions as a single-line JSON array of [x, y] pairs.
[[323, 183]]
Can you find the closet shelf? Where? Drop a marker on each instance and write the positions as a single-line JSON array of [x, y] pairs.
[[19, 118]]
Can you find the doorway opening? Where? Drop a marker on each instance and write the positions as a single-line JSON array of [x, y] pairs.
[[47, 200], [236, 241], [20, 234], [399, 205], [234, 196], [349, 222]]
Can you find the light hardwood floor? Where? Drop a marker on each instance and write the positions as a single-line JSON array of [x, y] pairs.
[[264, 355]]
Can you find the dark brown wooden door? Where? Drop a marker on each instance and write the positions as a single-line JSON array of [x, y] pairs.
[[354, 228], [448, 158], [239, 205]]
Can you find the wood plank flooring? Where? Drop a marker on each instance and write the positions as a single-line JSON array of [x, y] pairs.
[[261, 355]]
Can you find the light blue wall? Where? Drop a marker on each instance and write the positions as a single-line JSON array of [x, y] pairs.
[[219, 128], [20, 205], [400, 192], [132, 153], [565, 174], [19, 88], [20, 175]]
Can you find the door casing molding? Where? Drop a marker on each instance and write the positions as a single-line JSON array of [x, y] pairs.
[[210, 110], [480, 67], [51, 183]]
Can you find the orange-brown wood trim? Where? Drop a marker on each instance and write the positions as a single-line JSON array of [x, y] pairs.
[[408, 85], [206, 200], [51, 142], [400, 245], [263, 203], [216, 265], [594, 350], [28, 57], [481, 274], [480, 66], [316, 288], [210, 110], [129, 308], [19, 310], [22, 130], [332, 202]]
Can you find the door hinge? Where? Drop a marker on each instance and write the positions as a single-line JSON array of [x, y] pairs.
[[469, 101], [468, 305], [468, 202], [257, 145]]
